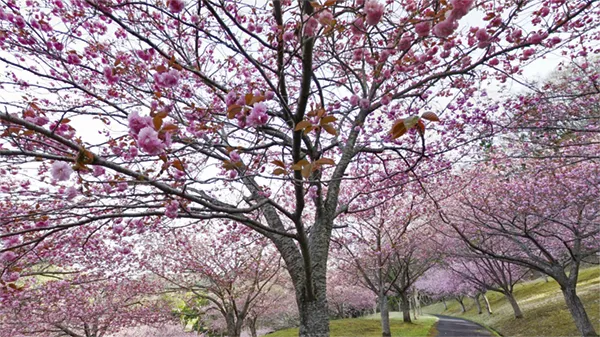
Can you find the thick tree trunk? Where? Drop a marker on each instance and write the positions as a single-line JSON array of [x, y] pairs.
[[487, 304], [462, 304], [515, 306], [582, 321], [477, 303], [405, 304], [445, 304], [234, 327], [314, 318], [385, 316]]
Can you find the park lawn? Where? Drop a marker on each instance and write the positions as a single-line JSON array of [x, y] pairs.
[[543, 306], [370, 326]]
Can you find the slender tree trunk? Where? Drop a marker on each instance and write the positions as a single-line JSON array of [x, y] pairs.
[[252, 326], [417, 303], [515, 306], [445, 304], [459, 299], [405, 304], [477, 303], [385, 316], [413, 302], [582, 320], [487, 304]]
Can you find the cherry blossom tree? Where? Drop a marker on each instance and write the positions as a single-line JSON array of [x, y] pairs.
[[441, 282], [368, 251], [256, 113], [346, 297], [559, 118], [232, 271], [543, 218], [416, 253], [81, 307], [273, 310], [491, 274]]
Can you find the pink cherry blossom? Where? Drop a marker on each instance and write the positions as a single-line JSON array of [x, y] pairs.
[[460, 8], [137, 122], [167, 79], [258, 115], [61, 170], [73, 58], [535, 38], [405, 43], [176, 6], [422, 29], [325, 17], [71, 192], [288, 36], [527, 53], [310, 26], [8, 256], [444, 28], [149, 142], [385, 100], [110, 76], [172, 208], [358, 26], [234, 156], [11, 277], [374, 12], [98, 171]]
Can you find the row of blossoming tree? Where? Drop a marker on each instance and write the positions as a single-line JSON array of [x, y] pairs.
[[532, 203], [263, 115]]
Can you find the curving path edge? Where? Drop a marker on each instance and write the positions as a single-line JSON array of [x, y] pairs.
[[450, 326]]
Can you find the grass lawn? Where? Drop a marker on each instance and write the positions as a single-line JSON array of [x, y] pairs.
[[370, 326], [543, 306]]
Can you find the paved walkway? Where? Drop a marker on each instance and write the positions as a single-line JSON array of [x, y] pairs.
[[457, 327]]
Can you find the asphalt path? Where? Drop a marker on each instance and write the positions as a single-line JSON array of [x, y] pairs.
[[457, 327]]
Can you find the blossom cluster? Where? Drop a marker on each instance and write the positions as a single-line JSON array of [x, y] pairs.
[[445, 28]]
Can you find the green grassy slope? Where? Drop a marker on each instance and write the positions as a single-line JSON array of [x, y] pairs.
[[543, 306], [370, 326]]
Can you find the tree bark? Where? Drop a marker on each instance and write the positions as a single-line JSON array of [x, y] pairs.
[[385, 316], [234, 329], [487, 304], [252, 326], [515, 306], [477, 303], [314, 318], [582, 321], [405, 304], [445, 304], [417, 303]]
